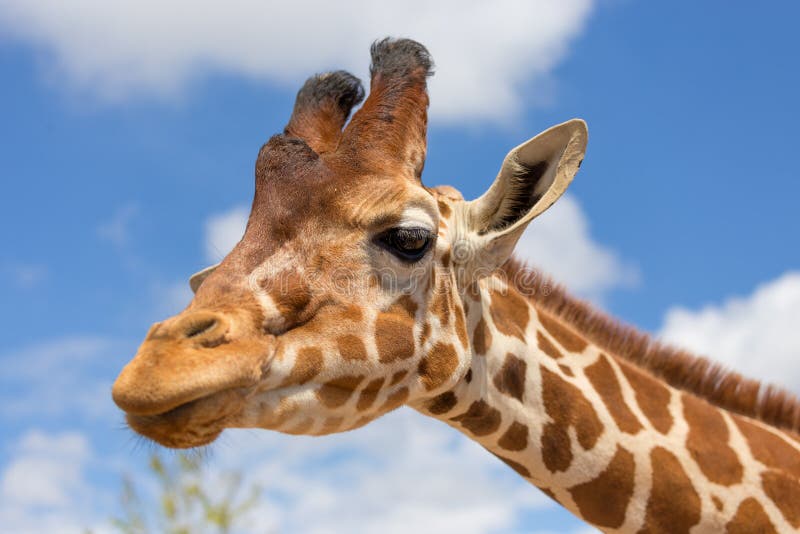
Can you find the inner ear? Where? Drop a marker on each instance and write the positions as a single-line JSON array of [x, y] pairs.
[[526, 185], [533, 176]]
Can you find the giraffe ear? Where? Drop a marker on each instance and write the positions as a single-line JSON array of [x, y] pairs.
[[533, 176], [197, 278]]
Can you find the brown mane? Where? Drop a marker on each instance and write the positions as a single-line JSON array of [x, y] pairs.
[[685, 371]]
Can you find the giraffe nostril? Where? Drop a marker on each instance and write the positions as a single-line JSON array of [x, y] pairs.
[[200, 326], [204, 327]]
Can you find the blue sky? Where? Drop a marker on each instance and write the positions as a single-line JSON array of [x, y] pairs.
[[124, 157]]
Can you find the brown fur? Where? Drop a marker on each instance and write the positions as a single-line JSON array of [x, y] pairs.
[[480, 419], [750, 517], [515, 438], [592, 497], [679, 368], [674, 505], [602, 377]]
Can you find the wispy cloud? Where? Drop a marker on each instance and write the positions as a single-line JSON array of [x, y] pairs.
[[70, 376], [485, 55], [755, 334], [24, 275], [223, 231], [44, 486], [402, 473], [116, 230], [560, 243]]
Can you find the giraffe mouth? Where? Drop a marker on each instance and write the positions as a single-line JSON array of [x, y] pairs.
[[195, 423]]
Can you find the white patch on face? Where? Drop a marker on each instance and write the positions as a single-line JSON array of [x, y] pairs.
[[268, 276], [417, 217]]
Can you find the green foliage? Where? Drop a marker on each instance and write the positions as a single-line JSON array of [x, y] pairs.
[[181, 502]]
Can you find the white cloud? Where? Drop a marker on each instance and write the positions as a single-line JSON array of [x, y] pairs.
[[46, 470], [559, 243], [756, 334], [67, 376], [402, 473], [44, 484], [223, 231], [485, 51]]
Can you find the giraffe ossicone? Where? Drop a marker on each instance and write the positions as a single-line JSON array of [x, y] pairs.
[[356, 289]]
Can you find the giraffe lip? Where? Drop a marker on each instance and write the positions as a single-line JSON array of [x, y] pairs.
[[191, 424]]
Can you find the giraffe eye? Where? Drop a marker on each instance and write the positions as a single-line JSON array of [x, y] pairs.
[[408, 244]]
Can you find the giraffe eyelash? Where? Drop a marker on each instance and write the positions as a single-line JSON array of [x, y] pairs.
[[407, 244]]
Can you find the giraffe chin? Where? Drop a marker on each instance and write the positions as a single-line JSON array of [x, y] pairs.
[[194, 424]]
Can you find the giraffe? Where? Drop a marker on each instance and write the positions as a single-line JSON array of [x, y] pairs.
[[356, 290]]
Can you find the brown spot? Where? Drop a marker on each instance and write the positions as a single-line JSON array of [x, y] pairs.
[[556, 451], [405, 305], [442, 403], [510, 379], [602, 377], [707, 442], [444, 209], [446, 258], [468, 376], [770, 449], [717, 502], [651, 396], [547, 347], [750, 517], [674, 505], [395, 400], [481, 337], [603, 500], [567, 406], [352, 313], [369, 394], [461, 327], [438, 365], [515, 438], [351, 347], [510, 313], [291, 298], [307, 365], [566, 370], [397, 377], [394, 336], [565, 336], [516, 466], [336, 392], [425, 333], [784, 491], [480, 419]]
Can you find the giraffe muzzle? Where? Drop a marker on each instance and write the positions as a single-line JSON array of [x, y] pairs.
[[193, 355]]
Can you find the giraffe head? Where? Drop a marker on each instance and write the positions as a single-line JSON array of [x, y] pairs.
[[344, 299]]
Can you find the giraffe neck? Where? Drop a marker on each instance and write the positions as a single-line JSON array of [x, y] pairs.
[[606, 439]]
